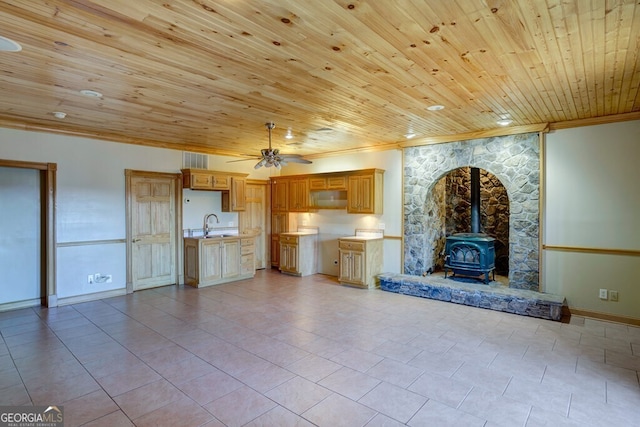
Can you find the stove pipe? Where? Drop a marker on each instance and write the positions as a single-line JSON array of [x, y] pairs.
[[475, 200]]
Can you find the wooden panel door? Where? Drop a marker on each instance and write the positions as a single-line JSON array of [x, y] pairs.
[[152, 220], [254, 220]]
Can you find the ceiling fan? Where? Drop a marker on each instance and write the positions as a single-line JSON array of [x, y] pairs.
[[272, 157]]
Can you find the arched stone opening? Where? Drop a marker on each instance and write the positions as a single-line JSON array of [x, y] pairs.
[[513, 160]]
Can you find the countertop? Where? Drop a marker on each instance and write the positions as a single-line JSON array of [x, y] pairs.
[[298, 233], [361, 238]]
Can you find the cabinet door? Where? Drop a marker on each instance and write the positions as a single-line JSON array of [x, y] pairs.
[[220, 182], [337, 183], [361, 195], [358, 267], [230, 258], [346, 266], [317, 183], [238, 194], [279, 195], [201, 181], [275, 251], [210, 262], [299, 195], [289, 257]]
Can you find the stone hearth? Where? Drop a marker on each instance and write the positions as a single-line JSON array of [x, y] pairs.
[[493, 296]]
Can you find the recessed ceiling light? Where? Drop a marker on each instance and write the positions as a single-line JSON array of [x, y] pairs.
[[8, 45], [435, 107], [91, 93], [505, 120], [409, 135], [59, 114]]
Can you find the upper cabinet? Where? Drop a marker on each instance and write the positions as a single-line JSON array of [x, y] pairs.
[[299, 195], [235, 199], [364, 193], [279, 194], [232, 185], [357, 191]]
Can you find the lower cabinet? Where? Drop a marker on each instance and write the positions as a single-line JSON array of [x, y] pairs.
[[298, 254], [360, 261], [247, 256], [217, 260]]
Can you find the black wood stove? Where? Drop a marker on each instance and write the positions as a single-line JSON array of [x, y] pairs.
[[471, 254]]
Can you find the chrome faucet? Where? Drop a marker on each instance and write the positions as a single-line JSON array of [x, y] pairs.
[[205, 226]]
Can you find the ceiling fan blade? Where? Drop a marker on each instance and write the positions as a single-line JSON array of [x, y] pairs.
[[244, 160], [298, 160], [260, 164]]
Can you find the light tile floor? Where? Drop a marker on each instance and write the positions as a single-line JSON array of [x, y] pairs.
[[287, 351]]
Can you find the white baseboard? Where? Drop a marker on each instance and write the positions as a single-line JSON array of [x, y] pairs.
[[20, 304], [91, 297]]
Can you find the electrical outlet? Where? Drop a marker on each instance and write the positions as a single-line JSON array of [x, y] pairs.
[[613, 295], [603, 294], [90, 279]]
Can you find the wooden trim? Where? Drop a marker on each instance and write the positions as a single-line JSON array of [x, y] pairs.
[[600, 251], [392, 237], [91, 243], [24, 165], [254, 181], [542, 199], [605, 316], [602, 120], [490, 133], [92, 297]]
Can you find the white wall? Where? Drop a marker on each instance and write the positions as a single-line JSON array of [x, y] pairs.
[[337, 223], [19, 234], [593, 201], [91, 200]]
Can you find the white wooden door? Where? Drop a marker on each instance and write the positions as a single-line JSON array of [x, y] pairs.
[[254, 220], [153, 236]]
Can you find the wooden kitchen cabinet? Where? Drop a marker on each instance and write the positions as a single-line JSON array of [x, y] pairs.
[[279, 194], [327, 182], [235, 199], [247, 256], [216, 260], [360, 261], [299, 195], [364, 192], [279, 224], [298, 253]]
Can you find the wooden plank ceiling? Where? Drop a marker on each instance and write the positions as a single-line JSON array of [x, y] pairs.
[[343, 75]]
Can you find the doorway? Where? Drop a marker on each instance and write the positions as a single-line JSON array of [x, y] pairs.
[[43, 241], [254, 219], [153, 229]]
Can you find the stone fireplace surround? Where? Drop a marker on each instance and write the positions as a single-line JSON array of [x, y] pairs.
[[514, 160]]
